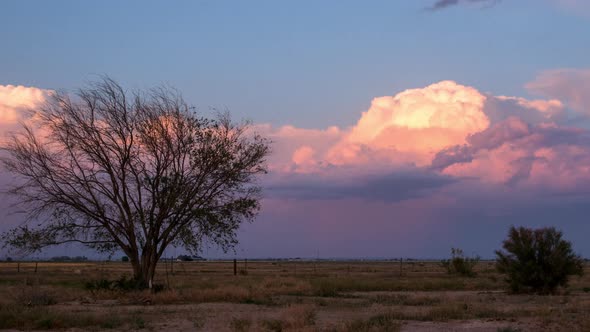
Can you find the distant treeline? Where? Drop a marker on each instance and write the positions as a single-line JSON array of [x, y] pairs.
[[55, 259], [69, 259]]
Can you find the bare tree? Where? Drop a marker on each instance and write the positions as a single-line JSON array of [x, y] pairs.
[[137, 172]]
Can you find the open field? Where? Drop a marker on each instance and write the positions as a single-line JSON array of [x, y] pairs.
[[284, 296]]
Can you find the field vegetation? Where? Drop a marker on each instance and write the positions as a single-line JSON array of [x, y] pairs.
[[282, 296]]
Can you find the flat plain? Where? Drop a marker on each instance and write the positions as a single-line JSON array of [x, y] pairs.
[[282, 296]]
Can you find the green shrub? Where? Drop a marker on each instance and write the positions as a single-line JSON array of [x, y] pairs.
[[537, 260], [460, 264]]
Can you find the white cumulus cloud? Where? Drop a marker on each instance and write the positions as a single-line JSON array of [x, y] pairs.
[[15, 99]]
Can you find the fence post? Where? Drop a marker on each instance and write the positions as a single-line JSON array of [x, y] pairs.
[[235, 266], [401, 266], [36, 266], [18, 267], [246, 264]]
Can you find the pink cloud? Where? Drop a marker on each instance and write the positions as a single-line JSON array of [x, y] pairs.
[[15, 99], [304, 155], [549, 108], [291, 146], [447, 128], [414, 124], [515, 153], [413, 171], [568, 85], [407, 130]]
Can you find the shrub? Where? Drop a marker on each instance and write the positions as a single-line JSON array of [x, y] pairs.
[[34, 296], [240, 325], [508, 329], [297, 316], [124, 259], [275, 325], [381, 322], [123, 284], [98, 285], [460, 264], [537, 260]]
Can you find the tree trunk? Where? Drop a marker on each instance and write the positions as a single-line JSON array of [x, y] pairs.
[[137, 269], [144, 269]]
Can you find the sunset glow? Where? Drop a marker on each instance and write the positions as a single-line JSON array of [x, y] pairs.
[[390, 135]]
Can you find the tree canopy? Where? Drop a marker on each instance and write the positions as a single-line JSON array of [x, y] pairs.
[[132, 171], [537, 260]]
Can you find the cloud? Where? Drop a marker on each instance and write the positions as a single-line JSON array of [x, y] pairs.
[[410, 127], [15, 103], [516, 153], [418, 170], [422, 140], [303, 155], [473, 217], [15, 100], [397, 186], [442, 4], [532, 111], [405, 130], [428, 135], [569, 85], [296, 149]]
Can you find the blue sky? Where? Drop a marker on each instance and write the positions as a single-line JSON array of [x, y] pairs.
[[307, 63], [397, 130]]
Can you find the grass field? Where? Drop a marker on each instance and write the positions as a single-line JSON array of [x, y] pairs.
[[283, 296]]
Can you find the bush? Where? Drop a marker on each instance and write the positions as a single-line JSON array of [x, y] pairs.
[[460, 264], [124, 259], [95, 286], [34, 296], [123, 284], [537, 260], [237, 324]]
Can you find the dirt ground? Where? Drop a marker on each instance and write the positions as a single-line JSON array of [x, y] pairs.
[[283, 296]]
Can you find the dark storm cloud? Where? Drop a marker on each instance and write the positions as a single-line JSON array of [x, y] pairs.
[[387, 188]]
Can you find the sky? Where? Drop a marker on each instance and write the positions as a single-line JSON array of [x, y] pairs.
[[399, 128]]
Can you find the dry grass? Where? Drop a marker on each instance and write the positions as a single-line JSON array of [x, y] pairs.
[[280, 296], [383, 322], [45, 318], [297, 316], [292, 318]]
